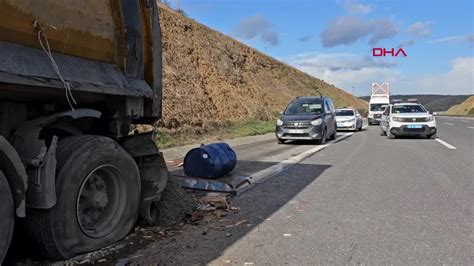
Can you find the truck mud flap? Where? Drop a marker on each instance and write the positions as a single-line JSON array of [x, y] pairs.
[[153, 171]]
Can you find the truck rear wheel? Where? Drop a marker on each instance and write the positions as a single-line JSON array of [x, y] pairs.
[[98, 187], [7, 216]]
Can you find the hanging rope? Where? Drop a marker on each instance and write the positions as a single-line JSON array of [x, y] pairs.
[[46, 48]]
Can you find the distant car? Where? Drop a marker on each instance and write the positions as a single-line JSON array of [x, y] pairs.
[[348, 119], [407, 119], [307, 118]]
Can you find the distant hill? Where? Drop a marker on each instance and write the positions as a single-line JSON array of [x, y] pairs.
[[464, 108], [433, 102]]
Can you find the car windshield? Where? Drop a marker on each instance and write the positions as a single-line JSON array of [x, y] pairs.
[[377, 107], [344, 113], [401, 109], [303, 108]]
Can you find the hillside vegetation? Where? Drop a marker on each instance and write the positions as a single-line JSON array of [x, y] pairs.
[[432, 102], [212, 81], [464, 108]]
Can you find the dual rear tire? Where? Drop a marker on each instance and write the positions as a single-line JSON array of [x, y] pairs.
[[7, 216], [98, 198]]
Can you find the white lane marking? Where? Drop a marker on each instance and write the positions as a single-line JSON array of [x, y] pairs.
[[446, 123], [366, 126], [262, 175], [456, 118], [465, 121], [447, 145], [471, 127]]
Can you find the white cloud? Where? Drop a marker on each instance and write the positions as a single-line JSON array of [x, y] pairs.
[[353, 7], [257, 27], [406, 43], [420, 28], [339, 61], [458, 80], [348, 29], [347, 70], [469, 39]]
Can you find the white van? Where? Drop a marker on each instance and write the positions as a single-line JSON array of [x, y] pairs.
[[379, 99]]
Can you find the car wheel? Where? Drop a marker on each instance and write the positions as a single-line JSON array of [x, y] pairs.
[[98, 198], [334, 135], [7, 214], [323, 138], [280, 141], [389, 134]]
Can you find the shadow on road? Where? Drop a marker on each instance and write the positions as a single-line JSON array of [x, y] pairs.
[[203, 243]]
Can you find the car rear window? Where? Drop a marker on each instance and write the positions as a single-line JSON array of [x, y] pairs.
[[344, 113]]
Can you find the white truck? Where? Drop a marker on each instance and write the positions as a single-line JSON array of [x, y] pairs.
[[379, 98]]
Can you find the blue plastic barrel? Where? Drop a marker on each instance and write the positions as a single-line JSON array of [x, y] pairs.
[[210, 161]]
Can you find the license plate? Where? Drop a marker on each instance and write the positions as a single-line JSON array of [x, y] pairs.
[[414, 126], [296, 131]]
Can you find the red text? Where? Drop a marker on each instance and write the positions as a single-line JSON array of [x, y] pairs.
[[385, 52]]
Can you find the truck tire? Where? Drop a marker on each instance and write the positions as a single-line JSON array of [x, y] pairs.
[[98, 198], [7, 216]]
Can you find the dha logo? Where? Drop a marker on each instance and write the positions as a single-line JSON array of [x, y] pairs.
[[384, 52]]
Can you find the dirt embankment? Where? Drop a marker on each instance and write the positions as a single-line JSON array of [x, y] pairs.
[[464, 108], [209, 78]]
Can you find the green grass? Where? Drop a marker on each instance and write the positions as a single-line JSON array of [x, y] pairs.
[[219, 130], [247, 128], [165, 140]]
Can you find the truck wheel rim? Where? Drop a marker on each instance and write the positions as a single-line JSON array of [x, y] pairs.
[[101, 201]]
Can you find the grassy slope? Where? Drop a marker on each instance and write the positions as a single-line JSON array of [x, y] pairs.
[[215, 86], [464, 108]]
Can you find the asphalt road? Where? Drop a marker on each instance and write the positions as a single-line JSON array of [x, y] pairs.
[[366, 199]]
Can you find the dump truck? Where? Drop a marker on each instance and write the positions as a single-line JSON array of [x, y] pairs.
[[75, 77]]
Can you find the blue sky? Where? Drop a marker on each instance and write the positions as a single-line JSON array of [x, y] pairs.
[[333, 40]]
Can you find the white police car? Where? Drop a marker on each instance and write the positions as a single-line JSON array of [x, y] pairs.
[[407, 119]]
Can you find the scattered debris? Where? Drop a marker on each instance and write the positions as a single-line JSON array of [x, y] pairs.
[[237, 223], [175, 163], [195, 216]]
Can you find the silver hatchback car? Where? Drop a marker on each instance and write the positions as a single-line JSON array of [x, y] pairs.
[[348, 119]]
